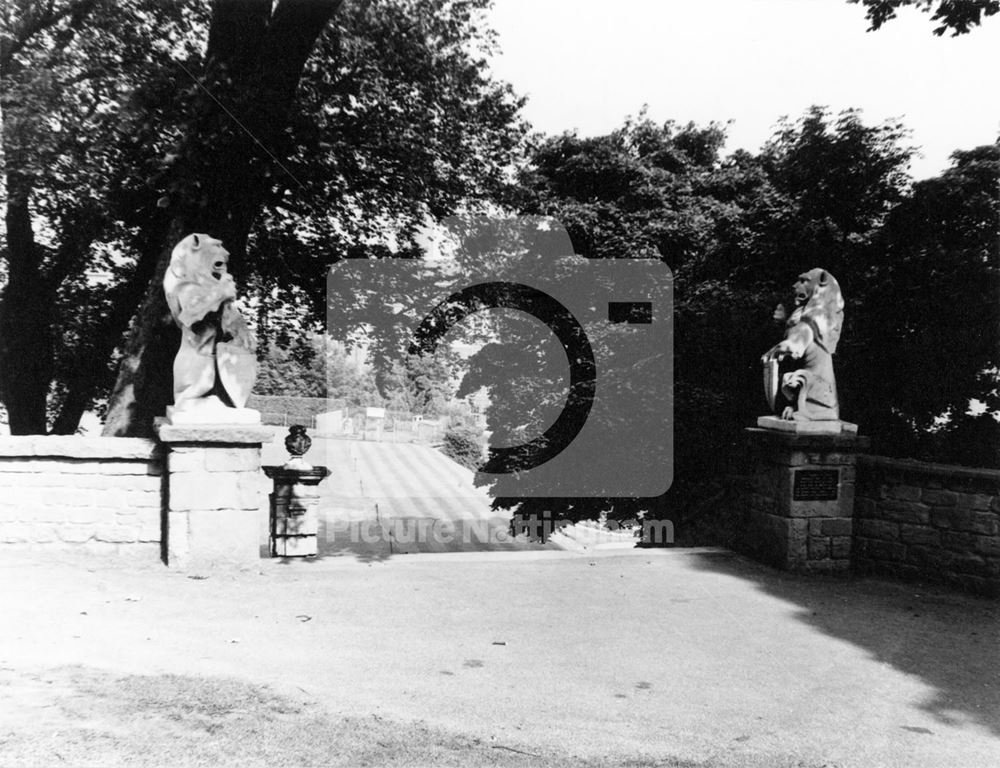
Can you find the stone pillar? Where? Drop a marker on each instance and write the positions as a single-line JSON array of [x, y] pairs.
[[800, 514], [213, 493]]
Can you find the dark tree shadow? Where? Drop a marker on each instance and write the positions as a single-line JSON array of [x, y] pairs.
[[950, 640]]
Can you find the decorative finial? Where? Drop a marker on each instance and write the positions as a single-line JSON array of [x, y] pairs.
[[297, 443]]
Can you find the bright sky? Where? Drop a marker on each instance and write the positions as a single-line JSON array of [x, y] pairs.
[[587, 64]]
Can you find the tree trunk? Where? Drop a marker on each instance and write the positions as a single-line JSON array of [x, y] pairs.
[[25, 322], [89, 373], [255, 57]]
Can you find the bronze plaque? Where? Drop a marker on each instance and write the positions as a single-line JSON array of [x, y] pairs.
[[816, 485]]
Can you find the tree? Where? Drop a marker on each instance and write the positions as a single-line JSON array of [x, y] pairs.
[[231, 145], [296, 140], [645, 190], [421, 384], [925, 340], [735, 231], [958, 16], [316, 366], [66, 96]]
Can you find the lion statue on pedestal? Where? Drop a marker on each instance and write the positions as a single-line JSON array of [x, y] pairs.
[[215, 366], [798, 371]]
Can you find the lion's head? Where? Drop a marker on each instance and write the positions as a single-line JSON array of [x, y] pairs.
[[198, 257], [199, 269], [818, 301]]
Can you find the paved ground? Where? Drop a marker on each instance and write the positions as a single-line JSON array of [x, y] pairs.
[[665, 657]]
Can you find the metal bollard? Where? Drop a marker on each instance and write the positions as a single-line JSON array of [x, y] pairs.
[[295, 500]]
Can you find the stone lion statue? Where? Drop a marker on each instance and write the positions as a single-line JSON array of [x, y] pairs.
[[215, 365], [803, 361]]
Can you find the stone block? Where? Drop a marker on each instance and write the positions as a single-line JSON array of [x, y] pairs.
[[886, 550], [979, 502], [84, 515], [109, 467], [114, 534], [860, 551], [232, 459], [929, 558], [59, 447], [814, 509], [819, 547], [984, 522], [837, 526], [919, 534], [761, 504], [298, 525], [870, 528], [911, 512], [181, 459], [923, 535], [826, 567], [970, 564], [148, 524], [223, 536], [958, 541], [9, 513], [797, 536], [75, 534], [249, 490], [840, 547], [43, 533], [904, 492], [295, 546], [203, 490], [846, 493], [939, 498], [988, 545], [177, 538], [865, 507], [974, 584], [213, 433], [140, 499], [18, 464], [71, 497], [940, 517]]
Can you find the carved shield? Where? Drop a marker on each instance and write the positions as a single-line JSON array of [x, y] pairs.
[[237, 371], [772, 382]]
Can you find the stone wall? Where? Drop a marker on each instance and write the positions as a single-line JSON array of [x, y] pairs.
[[935, 522], [81, 493]]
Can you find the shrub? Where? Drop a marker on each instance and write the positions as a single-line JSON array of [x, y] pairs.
[[462, 444]]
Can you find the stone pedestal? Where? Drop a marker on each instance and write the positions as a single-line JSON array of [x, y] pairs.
[[801, 507], [213, 502], [295, 510]]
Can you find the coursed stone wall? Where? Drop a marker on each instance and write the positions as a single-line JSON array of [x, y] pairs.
[[934, 522], [99, 493]]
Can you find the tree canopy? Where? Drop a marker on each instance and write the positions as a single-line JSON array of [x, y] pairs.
[[917, 264], [955, 16], [298, 132]]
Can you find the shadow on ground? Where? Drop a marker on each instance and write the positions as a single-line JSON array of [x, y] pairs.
[[950, 640]]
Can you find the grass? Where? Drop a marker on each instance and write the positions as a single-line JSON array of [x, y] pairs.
[[97, 719]]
